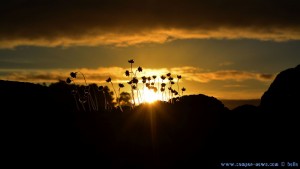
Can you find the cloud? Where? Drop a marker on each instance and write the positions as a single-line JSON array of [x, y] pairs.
[[198, 75], [117, 74], [123, 23]]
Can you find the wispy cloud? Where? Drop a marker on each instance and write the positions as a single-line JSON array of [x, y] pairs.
[[123, 23], [99, 75]]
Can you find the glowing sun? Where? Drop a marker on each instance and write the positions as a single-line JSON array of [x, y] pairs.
[[150, 96]]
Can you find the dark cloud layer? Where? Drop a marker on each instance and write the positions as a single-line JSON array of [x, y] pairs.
[[65, 22]]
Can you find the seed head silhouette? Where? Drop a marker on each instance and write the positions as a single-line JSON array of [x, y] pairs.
[[140, 69], [131, 61], [73, 74], [121, 85], [134, 87], [163, 77], [108, 80], [68, 80], [168, 74], [135, 80], [127, 73]]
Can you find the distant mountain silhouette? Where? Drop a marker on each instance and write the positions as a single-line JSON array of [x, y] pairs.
[[232, 104], [284, 93]]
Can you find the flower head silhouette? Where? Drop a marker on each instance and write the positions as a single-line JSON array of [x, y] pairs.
[[127, 73], [168, 74], [154, 77], [68, 80], [131, 61], [135, 80], [170, 78], [108, 80], [163, 85], [179, 76], [73, 74], [130, 82], [172, 82], [140, 69], [134, 87], [163, 77], [149, 78], [121, 85], [183, 90]]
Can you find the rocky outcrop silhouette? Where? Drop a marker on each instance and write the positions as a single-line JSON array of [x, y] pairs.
[[283, 95]]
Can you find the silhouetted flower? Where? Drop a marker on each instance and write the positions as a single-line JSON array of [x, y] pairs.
[[144, 77], [135, 80], [144, 81], [168, 74], [163, 77], [134, 87], [152, 83], [108, 80], [170, 88], [179, 76], [140, 69], [183, 89], [130, 82], [154, 76], [170, 78], [73, 74], [163, 85], [68, 80], [162, 89], [131, 61], [172, 82], [175, 92], [127, 73], [149, 78], [121, 85]]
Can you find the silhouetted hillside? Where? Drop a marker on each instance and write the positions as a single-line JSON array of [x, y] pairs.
[[194, 131], [284, 92]]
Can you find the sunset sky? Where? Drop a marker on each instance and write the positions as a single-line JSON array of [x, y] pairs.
[[229, 49]]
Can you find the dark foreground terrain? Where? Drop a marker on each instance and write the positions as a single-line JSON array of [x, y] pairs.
[[41, 127]]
